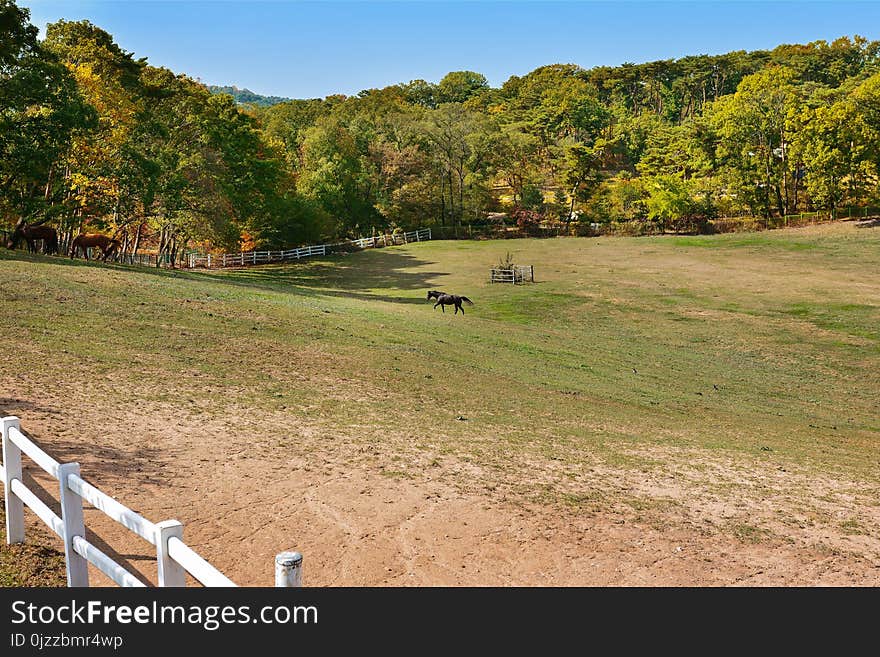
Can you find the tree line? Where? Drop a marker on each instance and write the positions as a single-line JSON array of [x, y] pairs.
[[93, 138]]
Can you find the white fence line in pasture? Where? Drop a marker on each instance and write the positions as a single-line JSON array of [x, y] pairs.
[[148, 259], [516, 274], [220, 260], [174, 557]]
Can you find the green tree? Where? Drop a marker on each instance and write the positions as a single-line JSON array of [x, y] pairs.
[[839, 146], [336, 175], [532, 198], [109, 80], [285, 124], [756, 129], [672, 205], [40, 111], [459, 86], [461, 143]]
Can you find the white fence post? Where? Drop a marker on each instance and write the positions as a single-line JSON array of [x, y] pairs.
[[72, 517], [171, 573], [288, 569], [255, 257], [12, 470]]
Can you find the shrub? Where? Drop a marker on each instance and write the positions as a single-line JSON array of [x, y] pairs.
[[528, 221]]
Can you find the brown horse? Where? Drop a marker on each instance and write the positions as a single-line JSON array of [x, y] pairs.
[[108, 245], [31, 233]]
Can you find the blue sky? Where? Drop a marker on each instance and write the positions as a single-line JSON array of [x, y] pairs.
[[314, 49]]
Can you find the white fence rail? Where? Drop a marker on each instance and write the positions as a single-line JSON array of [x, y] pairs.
[[212, 260], [174, 557], [516, 274], [390, 239]]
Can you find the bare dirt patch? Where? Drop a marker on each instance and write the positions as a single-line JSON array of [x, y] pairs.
[[362, 520]]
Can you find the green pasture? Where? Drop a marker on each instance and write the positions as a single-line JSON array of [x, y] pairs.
[[763, 346]]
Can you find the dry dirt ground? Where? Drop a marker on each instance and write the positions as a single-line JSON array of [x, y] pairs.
[[358, 526]]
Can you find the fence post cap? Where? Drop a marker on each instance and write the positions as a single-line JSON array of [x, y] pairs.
[[169, 523], [288, 558]]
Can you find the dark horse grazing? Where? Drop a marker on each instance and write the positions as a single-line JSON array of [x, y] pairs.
[[31, 233], [444, 299], [108, 245]]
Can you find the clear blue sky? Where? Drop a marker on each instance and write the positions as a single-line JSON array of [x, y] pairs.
[[314, 49]]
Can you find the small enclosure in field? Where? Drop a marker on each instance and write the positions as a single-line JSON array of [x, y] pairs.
[[513, 274]]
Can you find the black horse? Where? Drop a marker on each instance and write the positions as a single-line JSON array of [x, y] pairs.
[[444, 299]]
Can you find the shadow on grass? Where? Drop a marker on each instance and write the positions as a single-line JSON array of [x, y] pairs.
[[352, 275], [356, 274]]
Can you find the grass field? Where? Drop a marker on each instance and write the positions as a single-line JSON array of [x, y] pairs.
[[722, 386]]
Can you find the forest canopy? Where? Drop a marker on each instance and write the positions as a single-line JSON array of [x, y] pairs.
[[92, 137]]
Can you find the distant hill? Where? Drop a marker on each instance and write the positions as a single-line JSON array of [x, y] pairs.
[[246, 96]]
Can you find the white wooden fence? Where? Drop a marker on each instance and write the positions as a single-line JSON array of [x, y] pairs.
[[261, 257], [148, 259], [516, 274], [254, 257], [391, 239], [174, 557]]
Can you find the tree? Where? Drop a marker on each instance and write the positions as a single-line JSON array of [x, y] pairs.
[[108, 79], [626, 198], [682, 150], [460, 142], [580, 173], [532, 198], [420, 93], [672, 205], [516, 157], [285, 124], [839, 145], [755, 126], [459, 86], [336, 175], [40, 111]]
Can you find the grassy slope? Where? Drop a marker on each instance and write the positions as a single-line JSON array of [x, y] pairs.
[[627, 353], [785, 325]]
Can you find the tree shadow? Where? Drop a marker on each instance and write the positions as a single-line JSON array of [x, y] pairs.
[[24, 256], [106, 468], [14, 406], [353, 275], [114, 464], [104, 464]]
